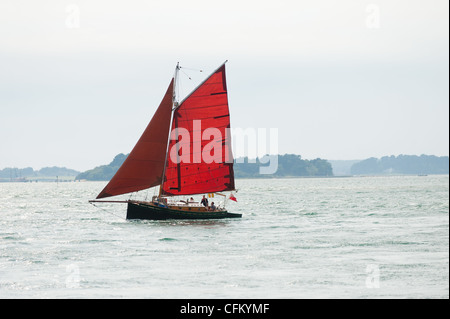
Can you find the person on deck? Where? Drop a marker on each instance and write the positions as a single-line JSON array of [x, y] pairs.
[[212, 207], [204, 201]]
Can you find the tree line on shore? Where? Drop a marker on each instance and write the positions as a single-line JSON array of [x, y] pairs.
[[28, 173], [291, 165], [288, 165], [402, 164]]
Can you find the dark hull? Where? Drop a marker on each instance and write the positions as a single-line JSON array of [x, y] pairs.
[[137, 210]]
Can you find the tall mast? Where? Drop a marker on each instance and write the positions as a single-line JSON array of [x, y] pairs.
[[174, 106]]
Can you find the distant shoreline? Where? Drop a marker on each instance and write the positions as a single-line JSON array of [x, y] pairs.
[[237, 178], [289, 166]]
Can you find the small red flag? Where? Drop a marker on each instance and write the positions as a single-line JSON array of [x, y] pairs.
[[233, 198]]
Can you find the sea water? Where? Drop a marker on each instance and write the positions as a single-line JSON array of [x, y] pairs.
[[356, 237]]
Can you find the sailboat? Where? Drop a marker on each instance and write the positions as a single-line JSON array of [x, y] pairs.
[[186, 151]]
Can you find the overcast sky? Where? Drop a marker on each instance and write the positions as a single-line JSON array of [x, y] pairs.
[[348, 79]]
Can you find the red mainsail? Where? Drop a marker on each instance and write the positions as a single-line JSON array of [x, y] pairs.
[[199, 158], [144, 166]]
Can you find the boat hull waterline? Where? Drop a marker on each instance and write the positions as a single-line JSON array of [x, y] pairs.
[[139, 210]]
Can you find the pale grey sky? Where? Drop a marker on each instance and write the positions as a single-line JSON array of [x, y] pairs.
[[348, 79]]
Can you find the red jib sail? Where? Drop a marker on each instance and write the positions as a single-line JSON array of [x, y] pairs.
[[144, 166], [199, 158]]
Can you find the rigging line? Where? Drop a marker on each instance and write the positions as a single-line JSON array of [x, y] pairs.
[[93, 204], [186, 74], [178, 88], [204, 81], [181, 87], [191, 69]]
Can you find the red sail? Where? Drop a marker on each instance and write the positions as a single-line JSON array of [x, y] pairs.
[[144, 166], [200, 160]]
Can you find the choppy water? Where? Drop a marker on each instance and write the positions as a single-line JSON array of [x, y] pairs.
[[361, 237]]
